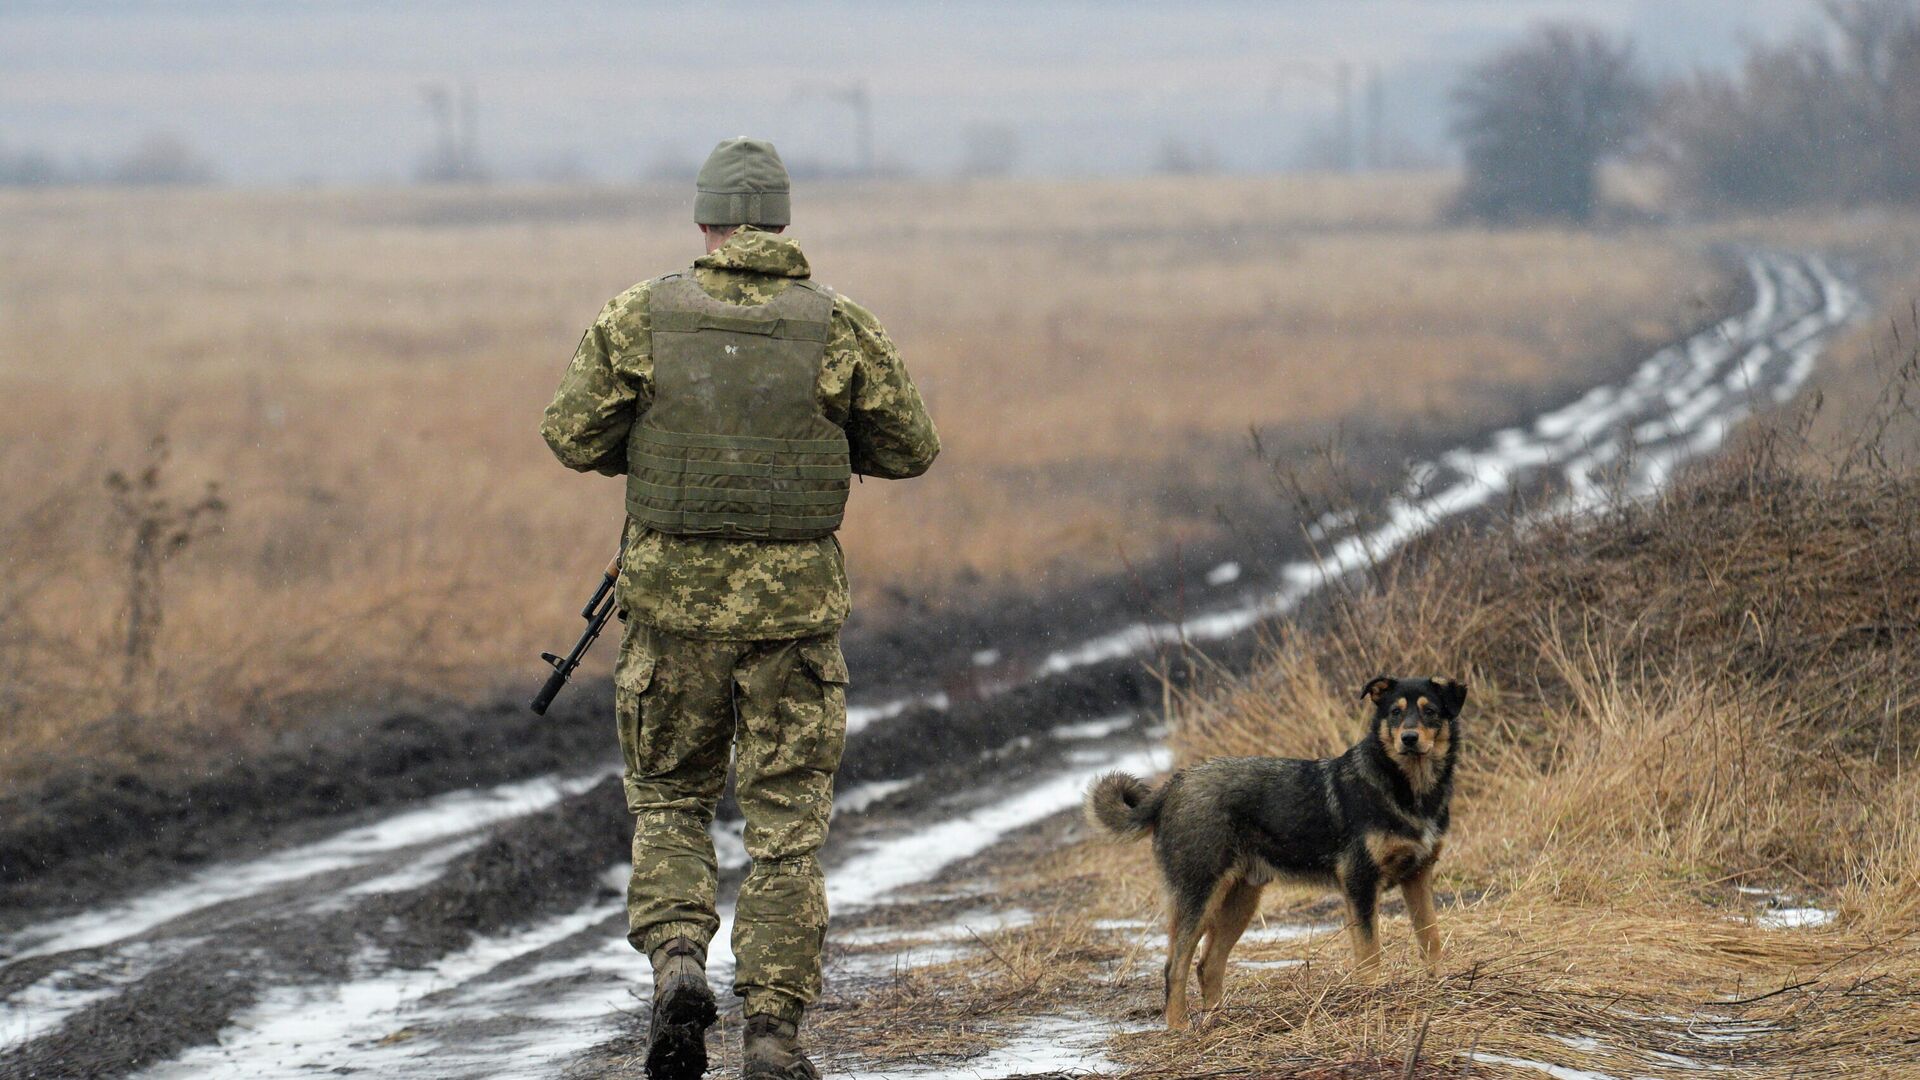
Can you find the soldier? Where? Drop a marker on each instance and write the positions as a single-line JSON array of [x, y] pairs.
[[738, 397]]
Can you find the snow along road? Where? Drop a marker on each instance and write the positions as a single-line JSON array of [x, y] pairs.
[[527, 1002]]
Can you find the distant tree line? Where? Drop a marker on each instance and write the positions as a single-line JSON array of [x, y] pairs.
[[158, 160], [1831, 117]]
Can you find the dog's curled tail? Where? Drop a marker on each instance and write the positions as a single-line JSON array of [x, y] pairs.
[[1123, 806]]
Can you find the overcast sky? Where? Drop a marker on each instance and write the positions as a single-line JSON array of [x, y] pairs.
[[279, 92]]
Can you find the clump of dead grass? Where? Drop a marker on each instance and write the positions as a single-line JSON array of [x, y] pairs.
[[1673, 699]]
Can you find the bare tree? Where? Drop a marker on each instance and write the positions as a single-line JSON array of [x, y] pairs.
[[1537, 118]]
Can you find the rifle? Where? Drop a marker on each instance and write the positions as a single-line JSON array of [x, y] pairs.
[[597, 612]]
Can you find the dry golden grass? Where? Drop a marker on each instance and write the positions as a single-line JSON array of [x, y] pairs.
[[1669, 703], [362, 373]]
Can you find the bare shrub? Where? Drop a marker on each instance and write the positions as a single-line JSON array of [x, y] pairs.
[[156, 528], [163, 160], [1825, 119]]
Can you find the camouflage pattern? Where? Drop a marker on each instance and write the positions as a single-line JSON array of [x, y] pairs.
[[732, 646], [739, 590], [780, 706]]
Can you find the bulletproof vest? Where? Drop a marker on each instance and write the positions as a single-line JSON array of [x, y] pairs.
[[735, 444]]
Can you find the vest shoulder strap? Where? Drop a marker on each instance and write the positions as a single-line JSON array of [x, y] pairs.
[[679, 305]]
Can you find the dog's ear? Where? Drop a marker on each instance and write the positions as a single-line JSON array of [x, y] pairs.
[[1449, 693], [1374, 689]]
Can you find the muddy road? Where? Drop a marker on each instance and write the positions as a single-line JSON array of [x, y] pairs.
[[480, 931]]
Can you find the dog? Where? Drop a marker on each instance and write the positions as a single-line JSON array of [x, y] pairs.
[[1373, 818]]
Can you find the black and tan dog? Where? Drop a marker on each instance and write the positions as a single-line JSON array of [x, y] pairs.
[[1365, 821]]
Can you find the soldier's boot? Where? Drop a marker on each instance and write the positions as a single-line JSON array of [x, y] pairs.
[[683, 1009], [771, 1051]]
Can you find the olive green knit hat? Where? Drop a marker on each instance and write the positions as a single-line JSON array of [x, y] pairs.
[[743, 183]]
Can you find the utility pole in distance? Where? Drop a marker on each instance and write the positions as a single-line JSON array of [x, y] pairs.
[[1376, 118], [1343, 88], [1337, 77]]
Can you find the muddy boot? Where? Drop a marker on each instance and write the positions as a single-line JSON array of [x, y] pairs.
[[771, 1051], [683, 1009]]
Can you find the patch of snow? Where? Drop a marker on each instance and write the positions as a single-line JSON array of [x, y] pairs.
[[1094, 729], [860, 716], [887, 865], [40, 1006], [1558, 1072], [861, 796], [420, 870], [729, 843], [1331, 522], [1225, 574], [1794, 918], [1287, 931], [986, 657]]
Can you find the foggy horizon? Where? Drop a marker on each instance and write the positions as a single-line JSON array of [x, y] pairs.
[[276, 94]]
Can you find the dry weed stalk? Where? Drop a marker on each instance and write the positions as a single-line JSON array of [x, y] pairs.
[[157, 528]]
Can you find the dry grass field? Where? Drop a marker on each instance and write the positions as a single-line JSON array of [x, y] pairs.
[[361, 374]]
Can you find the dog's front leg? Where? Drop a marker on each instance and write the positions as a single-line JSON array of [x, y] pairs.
[[1418, 891], [1360, 883]]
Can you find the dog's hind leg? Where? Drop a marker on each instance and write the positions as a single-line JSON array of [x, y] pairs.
[[1229, 922], [1360, 883], [1418, 891], [1183, 933]]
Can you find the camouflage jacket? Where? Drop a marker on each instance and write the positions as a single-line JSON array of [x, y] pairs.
[[738, 590]]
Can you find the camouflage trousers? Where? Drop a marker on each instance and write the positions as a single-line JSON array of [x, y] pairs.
[[779, 708]]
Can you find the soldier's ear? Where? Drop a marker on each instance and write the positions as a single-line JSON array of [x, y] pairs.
[[1377, 687], [1451, 695]]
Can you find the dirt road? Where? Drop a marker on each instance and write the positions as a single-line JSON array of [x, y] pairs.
[[480, 932]]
